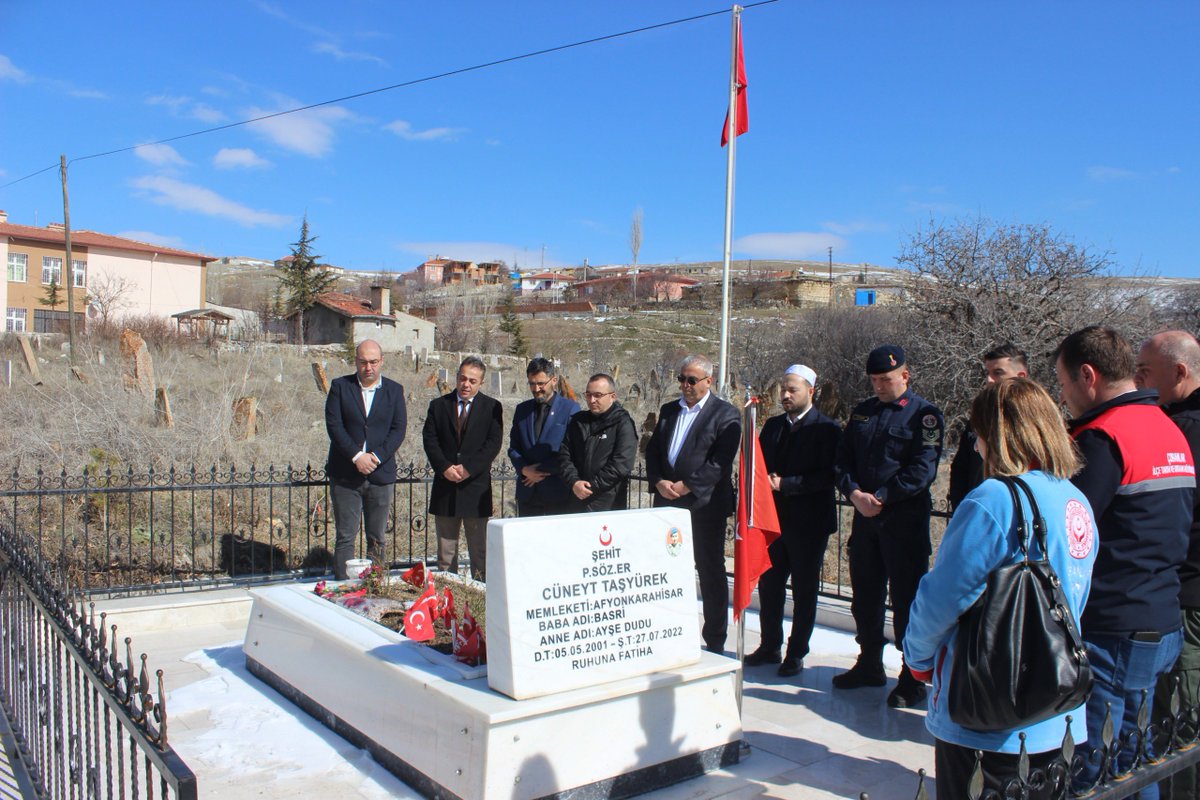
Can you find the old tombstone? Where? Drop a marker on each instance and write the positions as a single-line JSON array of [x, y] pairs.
[[496, 381], [139, 366], [8, 373], [320, 377], [30, 361], [162, 409], [100, 357], [279, 370], [245, 418], [431, 381]]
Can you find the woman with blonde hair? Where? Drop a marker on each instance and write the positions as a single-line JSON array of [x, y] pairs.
[[1021, 434]]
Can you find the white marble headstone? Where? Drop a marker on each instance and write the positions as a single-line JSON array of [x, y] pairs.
[[581, 599]]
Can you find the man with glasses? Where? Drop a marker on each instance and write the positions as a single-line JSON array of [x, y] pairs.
[[365, 417], [463, 432], [689, 463], [598, 452], [537, 432]]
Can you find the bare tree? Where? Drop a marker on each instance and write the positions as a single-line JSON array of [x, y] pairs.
[[635, 247], [977, 282], [109, 294]]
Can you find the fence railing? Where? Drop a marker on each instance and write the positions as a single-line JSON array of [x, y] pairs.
[[87, 720], [126, 531]]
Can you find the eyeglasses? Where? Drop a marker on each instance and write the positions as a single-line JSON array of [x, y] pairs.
[[374, 362], [596, 395], [690, 380], [538, 384]]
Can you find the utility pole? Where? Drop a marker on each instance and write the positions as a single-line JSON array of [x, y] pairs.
[[830, 249], [69, 266]]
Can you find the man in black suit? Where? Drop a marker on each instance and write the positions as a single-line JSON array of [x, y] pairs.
[[799, 448], [365, 417], [462, 436], [689, 463]]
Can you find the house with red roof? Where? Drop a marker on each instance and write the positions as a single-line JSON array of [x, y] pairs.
[[134, 278], [339, 317]]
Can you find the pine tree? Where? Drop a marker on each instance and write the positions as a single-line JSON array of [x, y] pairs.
[[53, 296], [302, 279], [510, 323]]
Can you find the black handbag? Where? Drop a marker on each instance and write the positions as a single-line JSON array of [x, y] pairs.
[[1019, 658]]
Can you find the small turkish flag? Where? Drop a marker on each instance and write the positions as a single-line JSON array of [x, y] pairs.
[[418, 620], [446, 607], [469, 643], [416, 575]]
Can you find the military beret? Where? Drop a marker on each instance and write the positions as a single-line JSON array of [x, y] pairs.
[[885, 358]]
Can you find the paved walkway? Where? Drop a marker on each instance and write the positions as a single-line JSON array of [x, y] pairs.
[[245, 741]]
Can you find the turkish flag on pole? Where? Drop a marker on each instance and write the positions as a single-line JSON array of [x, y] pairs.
[[739, 76], [757, 519]]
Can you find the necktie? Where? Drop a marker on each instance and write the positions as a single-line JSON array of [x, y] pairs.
[[461, 420], [539, 422]]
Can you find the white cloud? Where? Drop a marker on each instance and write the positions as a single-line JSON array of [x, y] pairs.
[[160, 155], [173, 102], [10, 71], [525, 257], [206, 113], [405, 131], [189, 197], [154, 238], [797, 244], [238, 158], [856, 226], [1102, 174], [331, 49], [308, 132]]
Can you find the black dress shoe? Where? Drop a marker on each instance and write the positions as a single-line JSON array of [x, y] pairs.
[[761, 656], [791, 666]]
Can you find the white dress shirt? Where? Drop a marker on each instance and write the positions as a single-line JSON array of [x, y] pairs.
[[683, 424]]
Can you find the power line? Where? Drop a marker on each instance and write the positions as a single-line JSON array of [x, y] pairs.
[[405, 84]]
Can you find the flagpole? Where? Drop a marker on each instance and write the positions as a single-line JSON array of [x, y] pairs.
[[749, 440], [723, 361]]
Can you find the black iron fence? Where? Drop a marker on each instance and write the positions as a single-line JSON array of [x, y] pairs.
[[1155, 753], [87, 720], [126, 531]]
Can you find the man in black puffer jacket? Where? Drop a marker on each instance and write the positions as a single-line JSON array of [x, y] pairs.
[[597, 454]]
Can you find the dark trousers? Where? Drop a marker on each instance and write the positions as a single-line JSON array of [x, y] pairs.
[[888, 554], [798, 556], [535, 507], [708, 547], [954, 764], [354, 502]]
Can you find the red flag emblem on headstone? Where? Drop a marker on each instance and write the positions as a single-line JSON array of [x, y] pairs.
[[418, 620]]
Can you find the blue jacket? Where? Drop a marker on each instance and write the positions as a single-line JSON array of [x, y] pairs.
[[525, 450], [980, 537]]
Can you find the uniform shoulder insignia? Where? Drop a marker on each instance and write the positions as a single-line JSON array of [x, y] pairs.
[[929, 420]]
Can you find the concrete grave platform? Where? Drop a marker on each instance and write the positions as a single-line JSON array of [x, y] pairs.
[[451, 736]]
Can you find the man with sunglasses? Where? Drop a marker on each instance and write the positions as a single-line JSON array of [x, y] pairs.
[[598, 452], [689, 464], [537, 432]]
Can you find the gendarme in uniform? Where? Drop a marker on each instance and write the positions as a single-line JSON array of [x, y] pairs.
[[887, 460]]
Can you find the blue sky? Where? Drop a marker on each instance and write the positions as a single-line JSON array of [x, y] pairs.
[[867, 120]]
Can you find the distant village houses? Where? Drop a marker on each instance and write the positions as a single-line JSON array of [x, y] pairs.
[[110, 277], [337, 318]]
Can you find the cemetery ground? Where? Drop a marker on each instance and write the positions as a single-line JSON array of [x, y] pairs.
[[246, 741]]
